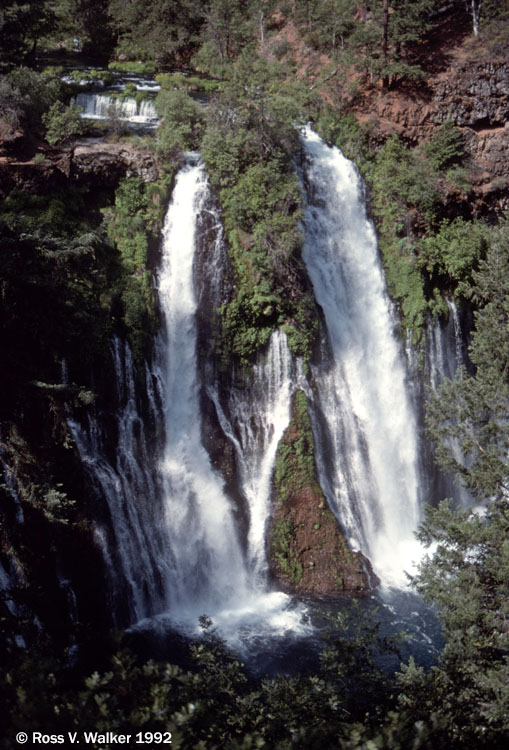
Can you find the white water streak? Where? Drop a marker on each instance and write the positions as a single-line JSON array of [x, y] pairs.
[[370, 424]]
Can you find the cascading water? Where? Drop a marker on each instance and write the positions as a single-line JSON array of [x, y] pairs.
[[259, 415], [207, 558], [209, 571], [102, 106], [365, 428], [446, 354], [133, 544], [445, 347]]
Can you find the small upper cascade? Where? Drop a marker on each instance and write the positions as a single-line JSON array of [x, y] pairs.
[[364, 423], [98, 106]]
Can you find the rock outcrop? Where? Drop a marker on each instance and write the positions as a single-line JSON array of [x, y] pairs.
[[93, 162], [472, 91], [308, 554]]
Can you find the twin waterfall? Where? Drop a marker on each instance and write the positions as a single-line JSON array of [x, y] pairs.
[[365, 422], [176, 542]]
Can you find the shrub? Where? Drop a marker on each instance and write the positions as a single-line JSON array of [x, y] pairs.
[[63, 123], [446, 148]]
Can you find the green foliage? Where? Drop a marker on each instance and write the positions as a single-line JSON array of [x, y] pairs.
[[156, 30], [182, 122], [60, 212], [24, 98], [63, 123], [463, 700], [90, 22], [248, 146], [134, 224], [283, 550], [455, 250], [228, 29], [295, 458], [446, 148], [346, 133], [475, 410], [203, 83], [21, 26], [140, 68], [405, 204]]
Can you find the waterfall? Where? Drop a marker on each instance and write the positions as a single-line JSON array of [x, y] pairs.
[[364, 423], [209, 571], [446, 354], [445, 347], [133, 546], [259, 414], [207, 567], [103, 106]]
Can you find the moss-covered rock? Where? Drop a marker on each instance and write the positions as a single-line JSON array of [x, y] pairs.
[[308, 553]]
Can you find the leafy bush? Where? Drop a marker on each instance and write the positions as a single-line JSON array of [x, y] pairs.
[[446, 148], [182, 122], [141, 68], [63, 123], [24, 97], [456, 249]]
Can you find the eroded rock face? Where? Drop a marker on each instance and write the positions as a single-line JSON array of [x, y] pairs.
[[308, 554], [474, 95], [91, 161]]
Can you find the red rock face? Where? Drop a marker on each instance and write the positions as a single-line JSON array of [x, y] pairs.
[[308, 553]]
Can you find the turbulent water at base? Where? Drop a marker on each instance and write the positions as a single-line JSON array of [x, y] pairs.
[[365, 427], [171, 543], [178, 540]]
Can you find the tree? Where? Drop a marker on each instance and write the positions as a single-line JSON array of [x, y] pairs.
[[474, 411], [182, 122], [21, 26], [162, 30], [89, 21], [63, 123], [462, 702]]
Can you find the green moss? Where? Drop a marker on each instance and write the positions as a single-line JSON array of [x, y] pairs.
[[295, 457], [283, 537], [134, 224], [248, 147]]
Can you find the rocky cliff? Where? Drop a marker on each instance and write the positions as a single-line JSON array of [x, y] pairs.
[[92, 162], [308, 554], [470, 88]]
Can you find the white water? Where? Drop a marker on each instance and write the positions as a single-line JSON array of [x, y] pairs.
[[445, 347], [103, 106], [446, 354], [135, 554], [259, 415], [210, 572], [366, 437]]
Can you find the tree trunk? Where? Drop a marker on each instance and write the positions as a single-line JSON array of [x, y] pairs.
[[385, 34], [476, 14]]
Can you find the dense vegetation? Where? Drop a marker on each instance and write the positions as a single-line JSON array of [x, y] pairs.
[[76, 269]]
